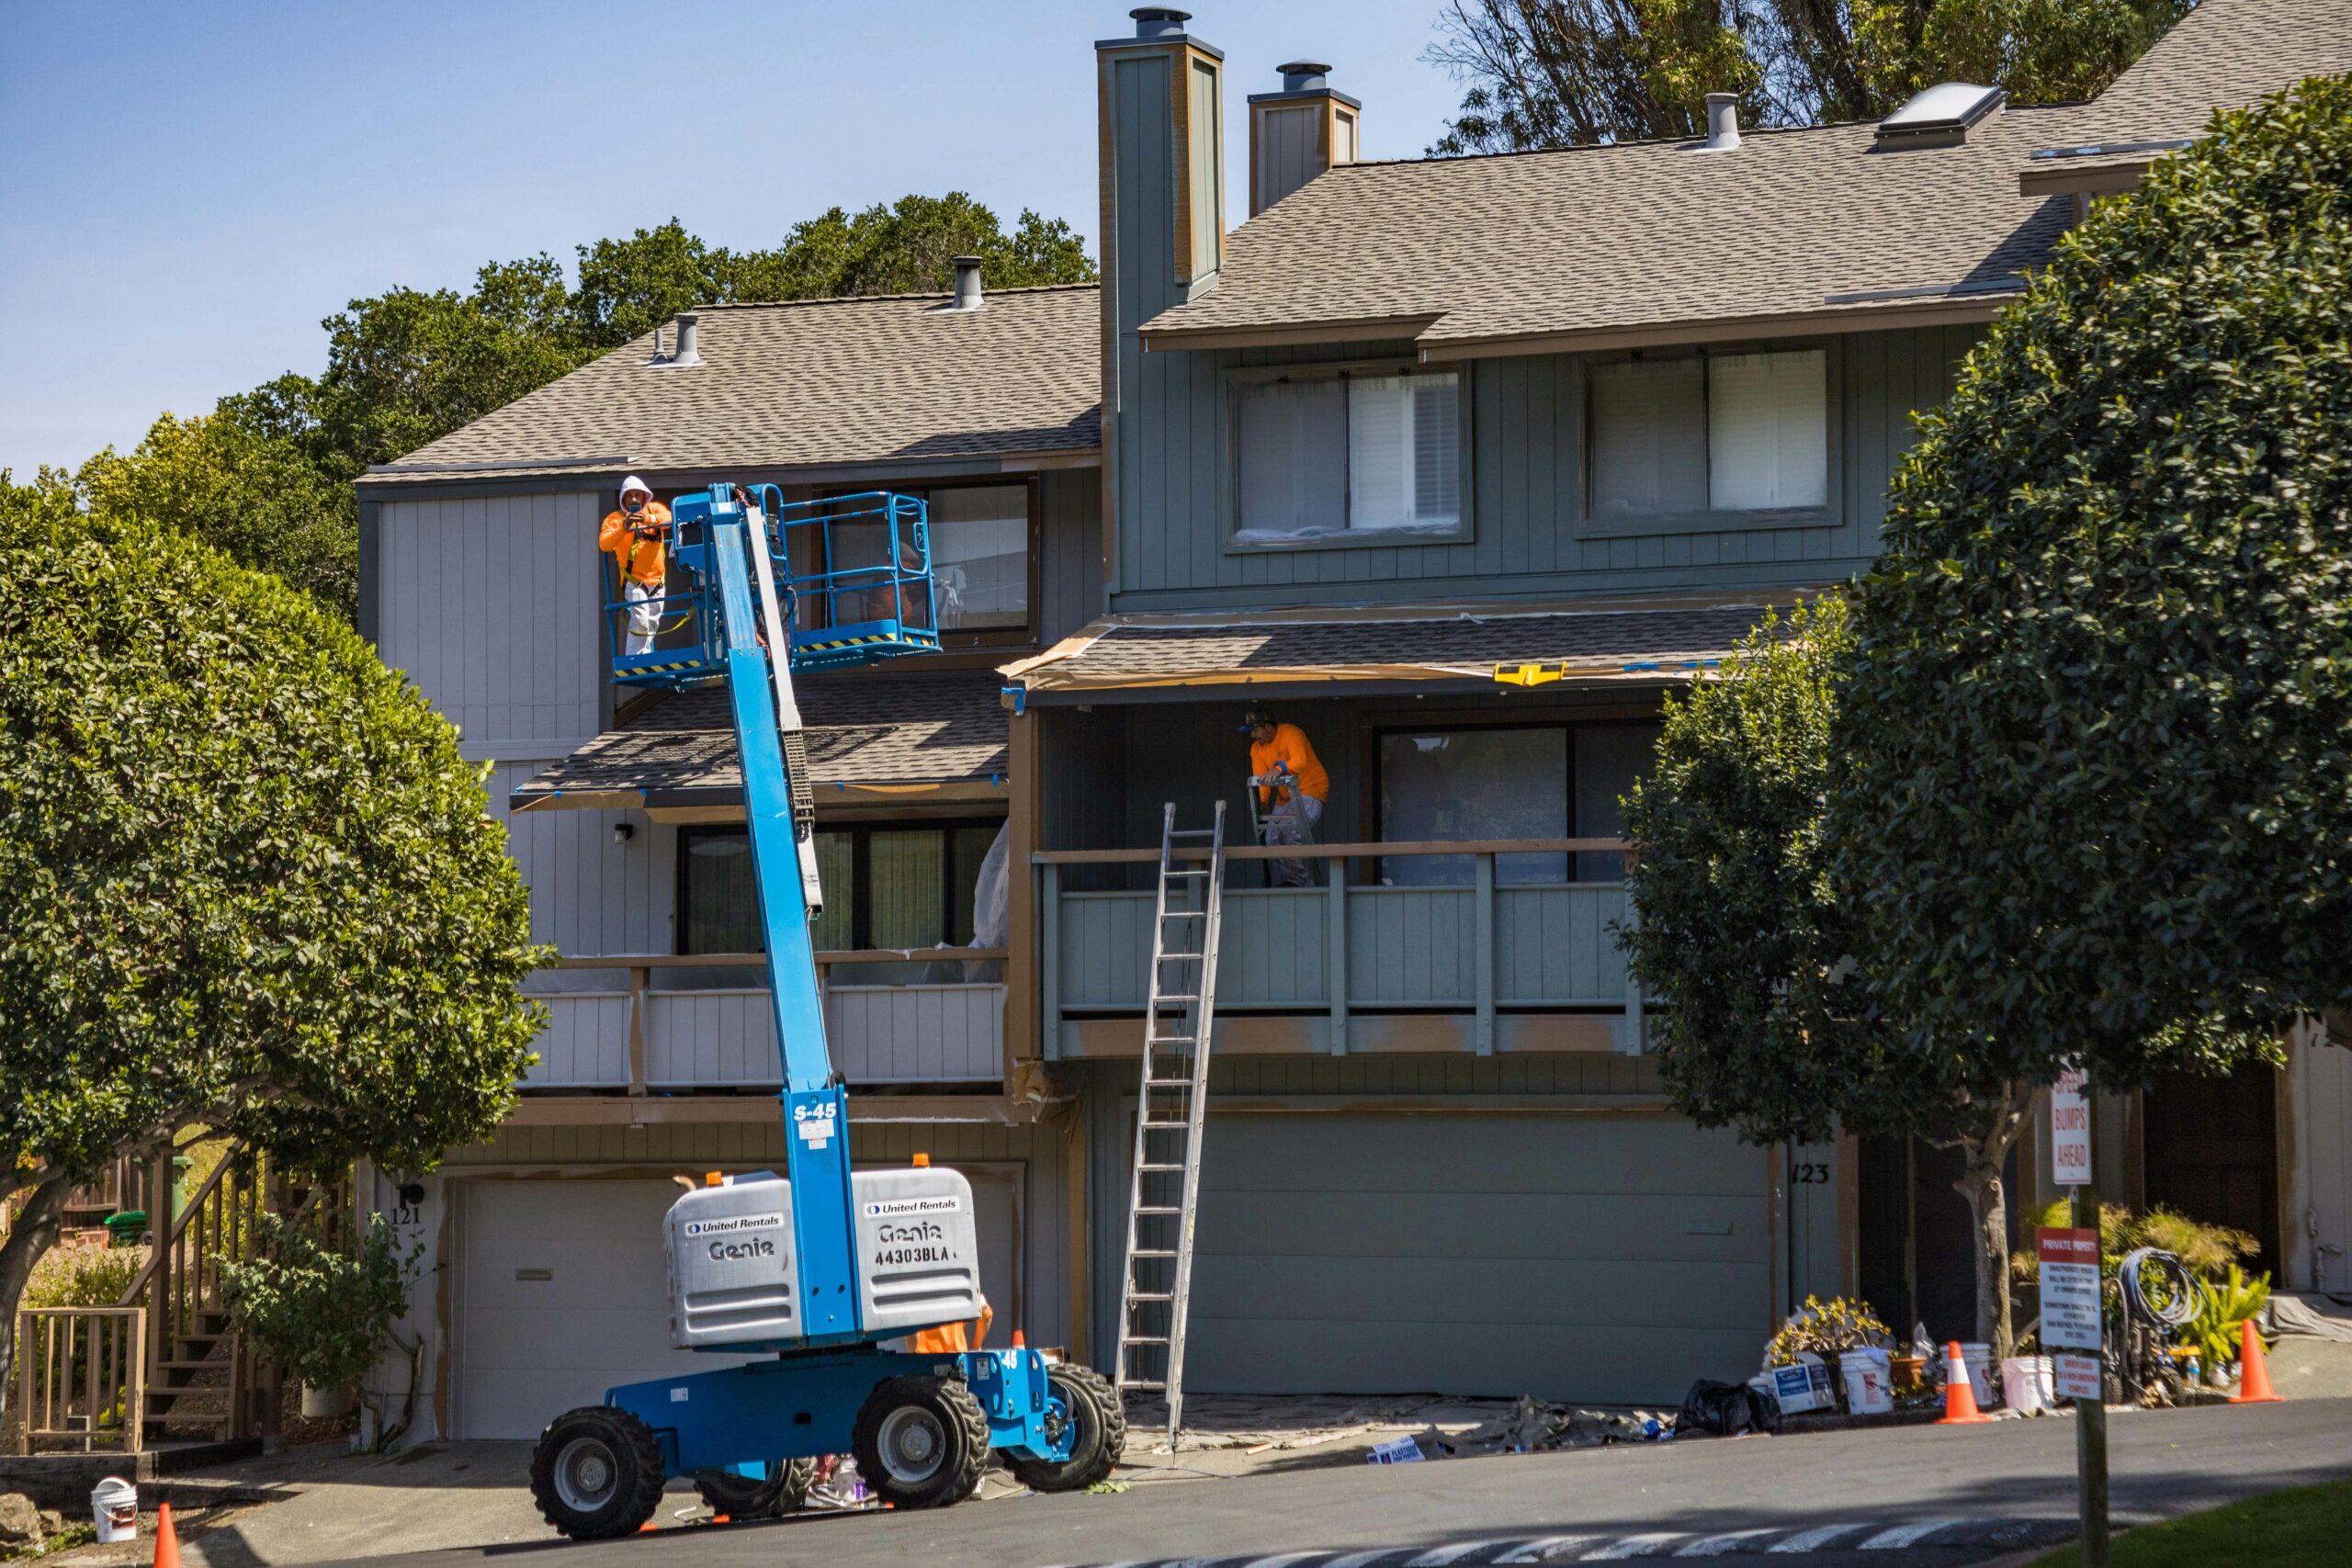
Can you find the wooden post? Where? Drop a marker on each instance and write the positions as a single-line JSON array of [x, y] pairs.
[[160, 1285], [1335, 963], [1485, 955], [640, 978], [2090, 1415]]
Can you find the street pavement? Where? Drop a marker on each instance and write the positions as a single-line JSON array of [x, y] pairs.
[[1988, 1490]]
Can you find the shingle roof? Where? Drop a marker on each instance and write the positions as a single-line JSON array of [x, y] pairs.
[[1422, 646], [810, 383], [1792, 224], [863, 729]]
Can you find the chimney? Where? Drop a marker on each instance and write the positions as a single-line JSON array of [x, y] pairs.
[[1297, 134], [967, 284], [1161, 97], [1723, 121]]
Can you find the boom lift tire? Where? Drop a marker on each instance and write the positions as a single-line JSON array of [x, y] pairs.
[[1096, 1446], [920, 1442], [596, 1473], [784, 1490]]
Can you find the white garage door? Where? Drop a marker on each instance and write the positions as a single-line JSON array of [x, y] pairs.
[[561, 1293], [1606, 1260]]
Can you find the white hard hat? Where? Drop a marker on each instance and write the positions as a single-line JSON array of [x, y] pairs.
[[633, 482]]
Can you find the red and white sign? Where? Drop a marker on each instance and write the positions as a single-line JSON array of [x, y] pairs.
[[2075, 1376], [2070, 1289], [2070, 1131]]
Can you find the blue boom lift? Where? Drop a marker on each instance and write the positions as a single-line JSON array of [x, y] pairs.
[[822, 1264]]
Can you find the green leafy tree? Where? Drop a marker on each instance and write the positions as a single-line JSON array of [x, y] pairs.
[[1561, 73], [2093, 800], [1746, 943], [255, 889], [321, 1313]]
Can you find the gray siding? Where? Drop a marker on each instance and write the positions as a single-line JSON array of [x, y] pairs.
[[1069, 570], [1527, 421], [490, 605], [588, 895], [1038, 1151]]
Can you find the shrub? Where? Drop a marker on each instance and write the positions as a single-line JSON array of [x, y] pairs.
[[321, 1312], [84, 1276]]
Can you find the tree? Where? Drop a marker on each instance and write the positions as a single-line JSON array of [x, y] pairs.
[[255, 888], [2091, 796], [1744, 943], [1560, 72]]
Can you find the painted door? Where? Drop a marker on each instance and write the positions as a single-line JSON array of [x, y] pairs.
[[1598, 1258], [563, 1292], [2212, 1153]]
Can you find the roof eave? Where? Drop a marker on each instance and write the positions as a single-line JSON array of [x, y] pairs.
[[1288, 334], [1942, 310], [2087, 179]]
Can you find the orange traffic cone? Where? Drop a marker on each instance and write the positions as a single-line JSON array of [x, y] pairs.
[[2254, 1372], [167, 1539], [1018, 1342], [1960, 1395]]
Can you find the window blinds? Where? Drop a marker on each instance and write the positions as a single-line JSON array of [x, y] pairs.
[[1290, 457], [1649, 442], [1768, 435]]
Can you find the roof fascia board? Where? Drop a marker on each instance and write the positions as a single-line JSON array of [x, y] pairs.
[[1292, 687], [1369, 329], [674, 804], [2095, 179], [1944, 312], [387, 489]]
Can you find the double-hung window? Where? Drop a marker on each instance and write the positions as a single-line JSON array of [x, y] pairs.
[[1709, 439], [887, 885], [1347, 457]]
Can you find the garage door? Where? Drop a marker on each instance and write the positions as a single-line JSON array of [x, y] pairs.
[[562, 1293], [1605, 1260]]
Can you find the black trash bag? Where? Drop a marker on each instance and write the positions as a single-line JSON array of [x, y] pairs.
[[1727, 1409]]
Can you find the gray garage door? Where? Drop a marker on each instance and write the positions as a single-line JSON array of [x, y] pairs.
[[1599, 1258], [563, 1292]]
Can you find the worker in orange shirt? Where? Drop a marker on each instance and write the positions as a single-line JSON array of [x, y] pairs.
[[1292, 796], [633, 536]]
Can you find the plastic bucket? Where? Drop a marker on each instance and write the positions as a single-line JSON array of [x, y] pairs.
[[1870, 1381], [114, 1509], [1978, 1356], [2029, 1383]]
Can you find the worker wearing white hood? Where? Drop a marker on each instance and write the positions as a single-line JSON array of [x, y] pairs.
[[637, 537]]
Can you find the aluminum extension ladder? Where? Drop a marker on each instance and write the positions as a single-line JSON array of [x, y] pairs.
[[1165, 1196]]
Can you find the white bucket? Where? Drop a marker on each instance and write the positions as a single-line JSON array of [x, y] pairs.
[[324, 1403], [114, 1509], [2029, 1383], [1870, 1381], [1978, 1356]]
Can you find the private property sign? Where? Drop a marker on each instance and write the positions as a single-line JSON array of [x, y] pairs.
[[2070, 1131], [2070, 1308]]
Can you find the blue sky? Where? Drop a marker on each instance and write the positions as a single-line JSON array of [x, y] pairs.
[[186, 189]]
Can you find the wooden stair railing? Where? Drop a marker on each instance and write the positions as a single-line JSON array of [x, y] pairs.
[[197, 1373]]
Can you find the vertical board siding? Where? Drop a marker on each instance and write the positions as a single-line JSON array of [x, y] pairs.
[[1407, 947], [1069, 566], [586, 1043], [877, 1035], [1553, 946], [1525, 482], [491, 604]]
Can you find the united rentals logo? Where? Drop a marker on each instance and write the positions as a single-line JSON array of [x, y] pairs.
[[734, 1224], [897, 1208]]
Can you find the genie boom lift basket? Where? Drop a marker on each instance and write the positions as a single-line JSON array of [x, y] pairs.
[[815, 1268]]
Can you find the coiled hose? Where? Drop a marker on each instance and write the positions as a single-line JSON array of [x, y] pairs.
[[2149, 1266]]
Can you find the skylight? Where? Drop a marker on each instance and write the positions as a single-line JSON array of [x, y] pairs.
[[1940, 116]]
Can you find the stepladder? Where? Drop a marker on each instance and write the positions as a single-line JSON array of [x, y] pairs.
[[1179, 1020]]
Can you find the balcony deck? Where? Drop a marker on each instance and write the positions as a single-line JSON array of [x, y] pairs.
[[1485, 967]]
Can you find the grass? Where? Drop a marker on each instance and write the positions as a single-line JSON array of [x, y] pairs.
[[2305, 1528]]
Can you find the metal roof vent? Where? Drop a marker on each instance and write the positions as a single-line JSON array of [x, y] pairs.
[[684, 357], [1159, 21], [967, 284], [1303, 75], [1723, 121], [1940, 117]]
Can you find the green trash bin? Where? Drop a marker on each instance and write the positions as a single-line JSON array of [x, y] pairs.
[[126, 1229]]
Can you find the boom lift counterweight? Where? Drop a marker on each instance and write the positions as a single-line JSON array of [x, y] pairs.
[[823, 1264]]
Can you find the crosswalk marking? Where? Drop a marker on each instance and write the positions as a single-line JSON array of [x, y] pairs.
[[1439, 1557], [1905, 1535], [1815, 1539], [1717, 1545], [1542, 1550], [1636, 1546]]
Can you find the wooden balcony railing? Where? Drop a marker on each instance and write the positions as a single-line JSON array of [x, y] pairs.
[[80, 1373], [1481, 951], [649, 1037]]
